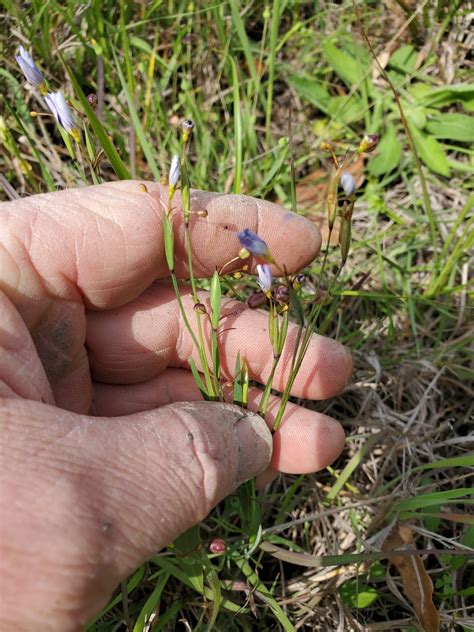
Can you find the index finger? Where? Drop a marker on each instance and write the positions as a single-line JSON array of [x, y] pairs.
[[106, 241]]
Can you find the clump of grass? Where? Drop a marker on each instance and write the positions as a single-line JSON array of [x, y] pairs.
[[401, 302]]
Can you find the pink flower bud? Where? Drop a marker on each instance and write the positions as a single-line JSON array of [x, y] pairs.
[[217, 545]]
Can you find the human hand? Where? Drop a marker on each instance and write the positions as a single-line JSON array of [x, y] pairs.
[[108, 454]]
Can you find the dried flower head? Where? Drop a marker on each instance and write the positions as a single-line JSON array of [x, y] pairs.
[[265, 278], [348, 183], [62, 113], [281, 294], [30, 70], [327, 146]]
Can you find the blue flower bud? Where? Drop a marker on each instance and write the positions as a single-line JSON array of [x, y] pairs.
[[253, 243], [265, 278], [30, 69], [348, 183]]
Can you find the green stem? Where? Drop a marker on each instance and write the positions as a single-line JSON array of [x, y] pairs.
[[201, 347], [271, 64]]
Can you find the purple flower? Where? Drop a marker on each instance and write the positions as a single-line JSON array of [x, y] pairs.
[[62, 113], [348, 183], [253, 243], [265, 277], [30, 69]]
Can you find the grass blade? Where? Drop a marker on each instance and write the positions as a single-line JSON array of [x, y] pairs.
[[102, 136]]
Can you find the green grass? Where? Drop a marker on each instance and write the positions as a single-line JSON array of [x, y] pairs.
[[402, 302]]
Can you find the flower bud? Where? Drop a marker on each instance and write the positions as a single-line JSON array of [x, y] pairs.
[[265, 278], [92, 98], [254, 244], [368, 143], [30, 70], [175, 172], [218, 546], [348, 183]]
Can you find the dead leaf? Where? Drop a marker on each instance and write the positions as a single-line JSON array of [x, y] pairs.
[[417, 584]]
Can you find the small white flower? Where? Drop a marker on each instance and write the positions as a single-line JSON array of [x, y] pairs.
[[175, 171], [265, 277], [62, 113], [29, 68], [348, 183]]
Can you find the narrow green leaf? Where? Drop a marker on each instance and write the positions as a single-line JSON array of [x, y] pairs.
[[237, 128], [185, 190], [283, 332], [168, 565], [151, 603], [99, 131], [215, 586], [239, 26], [435, 498], [237, 397], [263, 593], [142, 139], [353, 464], [198, 379], [245, 384], [44, 169], [168, 236], [466, 460], [216, 296]]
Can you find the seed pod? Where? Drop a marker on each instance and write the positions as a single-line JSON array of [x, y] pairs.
[[345, 237], [200, 307], [368, 143], [257, 299]]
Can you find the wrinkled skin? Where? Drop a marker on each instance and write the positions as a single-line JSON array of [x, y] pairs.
[[108, 452]]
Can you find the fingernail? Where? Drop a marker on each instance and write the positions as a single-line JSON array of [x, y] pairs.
[[255, 446]]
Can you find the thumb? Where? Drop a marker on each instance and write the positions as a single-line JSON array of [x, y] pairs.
[[89, 499]]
